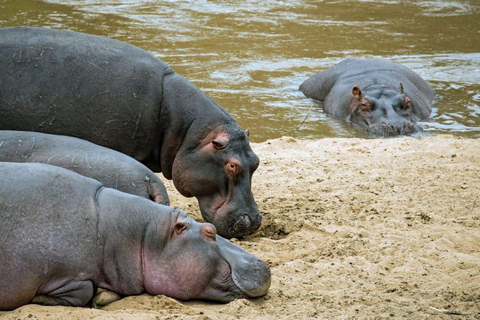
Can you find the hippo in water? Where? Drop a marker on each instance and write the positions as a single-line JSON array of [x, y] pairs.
[[385, 97], [121, 97], [64, 235], [112, 168]]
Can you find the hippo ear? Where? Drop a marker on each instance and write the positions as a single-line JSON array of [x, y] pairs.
[[247, 133], [357, 93], [179, 227], [401, 87]]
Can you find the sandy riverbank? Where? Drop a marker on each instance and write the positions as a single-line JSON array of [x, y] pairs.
[[353, 228]]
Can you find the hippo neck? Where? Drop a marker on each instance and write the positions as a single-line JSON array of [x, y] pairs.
[[126, 224], [187, 116]]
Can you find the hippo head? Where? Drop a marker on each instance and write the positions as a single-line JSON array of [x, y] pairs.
[[195, 263], [383, 110], [221, 180]]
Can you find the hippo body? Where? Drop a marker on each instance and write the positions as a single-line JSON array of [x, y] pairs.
[[64, 235], [112, 168], [121, 97], [385, 97]]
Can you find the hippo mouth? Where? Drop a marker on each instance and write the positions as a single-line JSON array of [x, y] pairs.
[[388, 129]]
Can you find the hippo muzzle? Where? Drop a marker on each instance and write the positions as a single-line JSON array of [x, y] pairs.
[[250, 274], [234, 215], [388, 129], [244, 225]]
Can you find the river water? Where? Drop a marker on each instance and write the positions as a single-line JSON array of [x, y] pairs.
[[251, 56]]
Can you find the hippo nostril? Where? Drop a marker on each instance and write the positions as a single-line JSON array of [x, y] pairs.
[[247, 222], [243, 225], [265, 263]]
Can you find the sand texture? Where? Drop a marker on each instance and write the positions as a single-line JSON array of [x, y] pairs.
[[353, 228]]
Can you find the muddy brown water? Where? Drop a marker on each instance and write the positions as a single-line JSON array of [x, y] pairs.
[[251, 56]]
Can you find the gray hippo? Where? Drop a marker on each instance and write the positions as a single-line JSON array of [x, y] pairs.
[[121, 97], [112, 168], [385, 97], [64, 235]]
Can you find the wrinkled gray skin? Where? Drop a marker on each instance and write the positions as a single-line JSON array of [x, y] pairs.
[[121, 97], [64, 235], [113, 169], [386, 98]]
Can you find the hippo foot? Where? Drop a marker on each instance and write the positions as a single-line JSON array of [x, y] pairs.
[[74, 294], [104, 297]]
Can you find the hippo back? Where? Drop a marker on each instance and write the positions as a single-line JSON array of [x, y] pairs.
[[62, 82]]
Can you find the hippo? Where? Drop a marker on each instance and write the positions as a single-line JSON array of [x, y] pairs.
[[386, 98], [112, 168], [64, 235], [121, 97]]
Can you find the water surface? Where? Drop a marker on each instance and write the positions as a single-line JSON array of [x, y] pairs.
[[251, 56]]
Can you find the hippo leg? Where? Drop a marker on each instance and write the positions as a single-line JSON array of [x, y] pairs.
[[74, 293], [104, 297]]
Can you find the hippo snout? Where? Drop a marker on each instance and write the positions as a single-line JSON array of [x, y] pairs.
[[245, 225], [255, 282], [250, 274], [393, 129]]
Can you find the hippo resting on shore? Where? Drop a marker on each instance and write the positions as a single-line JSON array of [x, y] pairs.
[[121, 97], [386, 98], [113, 169], [63, 235]]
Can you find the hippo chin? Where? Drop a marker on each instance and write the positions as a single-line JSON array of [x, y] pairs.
[[121, 97], [386, 98], [64, 235]]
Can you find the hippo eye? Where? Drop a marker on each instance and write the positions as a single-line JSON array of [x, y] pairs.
[[180, 227], [406, 103], [365, 105], [209, 232]]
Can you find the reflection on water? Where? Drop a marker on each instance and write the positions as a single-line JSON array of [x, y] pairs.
[[251, 56]]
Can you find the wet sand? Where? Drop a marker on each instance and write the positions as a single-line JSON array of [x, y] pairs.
[[353, 228]]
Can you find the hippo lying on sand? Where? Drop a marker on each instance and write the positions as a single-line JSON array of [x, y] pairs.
[[113, 169], [121, 97], [64, 235], [386, 98]]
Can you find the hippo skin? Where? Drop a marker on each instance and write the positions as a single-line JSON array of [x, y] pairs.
[[64, 235], [121, 97], [112, 168], [385, 97]]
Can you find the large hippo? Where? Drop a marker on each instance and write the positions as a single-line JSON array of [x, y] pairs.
[[112, 168], [121, 97], [64, 235], [385, 97]]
